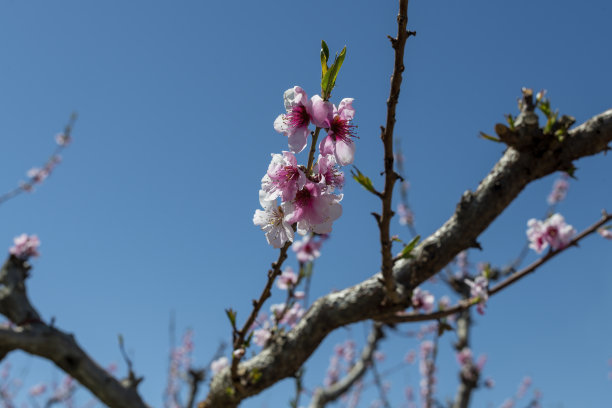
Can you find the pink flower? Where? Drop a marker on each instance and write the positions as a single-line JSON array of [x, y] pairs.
[[553, 231], [284, 178], [605, 233], [272, 222], [338, 140], [481, 361], [287, 279], [422, 299], [218, 365], [262, 335], [479, 289], [464, 356], [25, 246], [307, 250], [313, 210], [294, 124], [239, 353], [559, 190], [293, 315], [327, 170], [444, 302]]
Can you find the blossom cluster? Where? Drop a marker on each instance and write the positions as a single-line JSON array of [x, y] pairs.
[[308, 202], [479, 289], [180, 364], [25, 246], [427, 369], [422, 299], [341, 361], [553, 231]]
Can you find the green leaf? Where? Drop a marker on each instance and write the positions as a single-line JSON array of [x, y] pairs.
[[325, 81], [337, 64], [247, 342], [324, 58], [363, 180], [306, 271], [544, 106], [489, 137], [510, 120], [406, 252], [231, 315], [329, 79], [552, 119], [255, 375], [324, 50]]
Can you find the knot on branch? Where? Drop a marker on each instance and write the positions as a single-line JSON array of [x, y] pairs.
[[525, 133]]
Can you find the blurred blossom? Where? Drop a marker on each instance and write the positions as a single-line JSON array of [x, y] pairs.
[[218, 365], [37, 390], [25, 246], [553, 231], [38, 175], [559, 191], [406, 217], [605, 232], [410, 357], [464, 356], [422, 299], [444, 302], [307, 250], [287, 279], [479, 289], [62, 139]]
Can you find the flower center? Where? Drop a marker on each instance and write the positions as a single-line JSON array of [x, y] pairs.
[[342, 129], [298, 117]]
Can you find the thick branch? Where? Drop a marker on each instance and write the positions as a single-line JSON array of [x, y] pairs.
[[363, 301], [37, 338], [61, 348]]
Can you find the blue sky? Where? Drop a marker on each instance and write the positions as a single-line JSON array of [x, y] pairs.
[[151, 210]]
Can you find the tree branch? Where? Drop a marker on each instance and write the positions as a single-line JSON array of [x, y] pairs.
[[473, 215], [323, 396], [386, 136], [35, 337]]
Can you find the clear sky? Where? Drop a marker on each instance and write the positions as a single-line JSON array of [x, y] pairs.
[[151, 210]]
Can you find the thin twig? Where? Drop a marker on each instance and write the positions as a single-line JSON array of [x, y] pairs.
[[386, 136], [466, 303], [240, 336]]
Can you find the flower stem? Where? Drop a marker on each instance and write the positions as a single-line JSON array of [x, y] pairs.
[[313, 147]]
